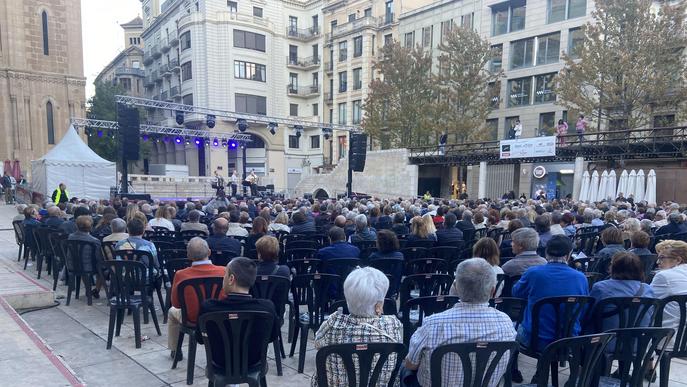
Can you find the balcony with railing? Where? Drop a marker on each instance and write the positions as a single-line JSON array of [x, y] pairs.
[[303, 63], [173, 38], [148, 58], [164, 45], [355, 25], [302, 91], [119, 71], [386, 19], [149, 81], [303, 34], [329, 66], [174, 92], [164, 96], [174, 65], [155, 51], [329, 97]]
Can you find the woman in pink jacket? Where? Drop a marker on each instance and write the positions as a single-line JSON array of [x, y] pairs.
[[561, 131]]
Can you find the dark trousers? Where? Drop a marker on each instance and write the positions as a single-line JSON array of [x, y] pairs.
[[408, 377], [233, 190], [253, 190]]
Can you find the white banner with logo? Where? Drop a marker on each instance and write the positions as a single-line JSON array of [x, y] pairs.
[[528, 147]]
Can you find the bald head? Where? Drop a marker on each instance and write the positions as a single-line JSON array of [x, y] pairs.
[[220, 226], [197, 249], [340, 221], [54, 211]]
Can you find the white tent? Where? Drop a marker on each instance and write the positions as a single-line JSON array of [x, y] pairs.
[[650, 194], [594, 186], [631, 183], [639, 186], [584, 189], [73, 163], [610, 189], [602, 186], [622, 184]]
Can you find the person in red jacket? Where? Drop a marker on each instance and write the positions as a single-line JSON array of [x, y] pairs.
[[198, 252]]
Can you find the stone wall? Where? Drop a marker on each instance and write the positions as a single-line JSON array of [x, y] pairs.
[[387, 174]]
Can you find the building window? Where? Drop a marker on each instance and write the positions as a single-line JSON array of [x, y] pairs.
[[233, 6], [388, 39], [357, 46], [367, 12], [446, 27], [331, 116], [409, 39], [343, 51], [357, 78], [185, 40], [351, 17], [494, 90], [466, 21], [253, 104], [293, 141], [427, 36], [46, 50], [519, 91], [548, 48], [315, 110], [186, 71], [508, 17], [559, 10], [50, 122], [664, 121], [249, 40], [187, 99], [521, 53], [315, 142], [248, 70], [493, 128], [343, 81], [357, 112], [342, 113], [293, 82], [126, 83], [575, 42], [497, 58], [293, 109], [544, 88], [257, 12], [342, 147], [547, 122]]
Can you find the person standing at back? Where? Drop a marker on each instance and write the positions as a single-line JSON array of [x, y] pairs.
[[517, 129], [60, 195], [580, 127]]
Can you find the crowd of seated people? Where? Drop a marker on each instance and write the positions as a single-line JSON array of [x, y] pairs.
[[535, 240]]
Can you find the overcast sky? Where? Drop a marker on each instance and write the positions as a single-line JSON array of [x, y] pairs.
[[103, 39]]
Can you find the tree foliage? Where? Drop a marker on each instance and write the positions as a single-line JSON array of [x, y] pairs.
[[412, 103], [630, 66]]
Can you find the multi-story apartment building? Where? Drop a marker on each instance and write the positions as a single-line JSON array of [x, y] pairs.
[[126, 69], [260, 57], [41, 76], [354, 32]]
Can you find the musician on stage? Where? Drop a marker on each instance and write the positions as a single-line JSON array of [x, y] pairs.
[[218, 185], [234, 183]]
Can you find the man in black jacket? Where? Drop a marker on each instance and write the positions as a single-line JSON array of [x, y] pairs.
[[60, 195], [239, 277], [449, 235], [466, 226], [674, 226]]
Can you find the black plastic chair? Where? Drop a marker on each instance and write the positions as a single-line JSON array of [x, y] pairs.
[[203, 288], [358, 359], [389, 307], [340, 266], [479, 362], [421, 243], [508, 283], [222, 258], [300, 244], [425, 285], [127, 278], [411, 253], [582, 353], [568, 312], [425, 306], [512, 306], [426, 265], [312, 291], [593, 278], [629, 312], [230, 333], [187, 235], [276, 289], [108, 249], [304, 266], [649, 263], [447, 253], [155, 277], [290, 255], [44, 252], [635, 348], [679, 349], [362, 245], [58, 244], [82, 263], [171, 267], [393, 268], [18, 227]]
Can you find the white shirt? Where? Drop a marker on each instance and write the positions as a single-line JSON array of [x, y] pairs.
[[518, 130], [161, 222], [234, 179], [235, 229], [666, 283]]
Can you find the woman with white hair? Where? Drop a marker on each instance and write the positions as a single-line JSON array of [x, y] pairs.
[[280, 223], [364, 290]]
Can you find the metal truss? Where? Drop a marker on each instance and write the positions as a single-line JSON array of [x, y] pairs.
[[229, 115], [638, 144], [163, 130]]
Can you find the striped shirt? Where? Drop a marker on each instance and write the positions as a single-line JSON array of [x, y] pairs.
[[464, 323]]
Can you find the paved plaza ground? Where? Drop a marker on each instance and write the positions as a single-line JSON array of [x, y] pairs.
[[65, 345]]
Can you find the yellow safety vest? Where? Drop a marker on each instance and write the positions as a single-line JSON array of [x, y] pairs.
[[59, 194]]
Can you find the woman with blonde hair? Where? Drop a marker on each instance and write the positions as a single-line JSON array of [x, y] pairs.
[[281, 223], [671, 280], [419, 230], [429, 223], [131, 210], [160, 220]]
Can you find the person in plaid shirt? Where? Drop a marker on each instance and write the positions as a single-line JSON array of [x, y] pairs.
[[470, 320], [364, 290]]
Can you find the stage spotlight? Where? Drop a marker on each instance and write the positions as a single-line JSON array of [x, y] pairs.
[[299, 129], [180, 117], [111, 133], [224, 143], [165, 139], [273, 127], [198, 141], [215, 142], [242, 124], [178, 140], [188, 141], [232, 144], [100, 133], [88, 131], [327, 132], [210, 121], [207, 142], [145, 137]]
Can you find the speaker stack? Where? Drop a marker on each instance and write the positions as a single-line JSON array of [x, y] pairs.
[[358, 151], [129, 131]]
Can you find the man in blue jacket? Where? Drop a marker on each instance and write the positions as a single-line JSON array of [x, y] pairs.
[[553, 279], [338, 247]]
